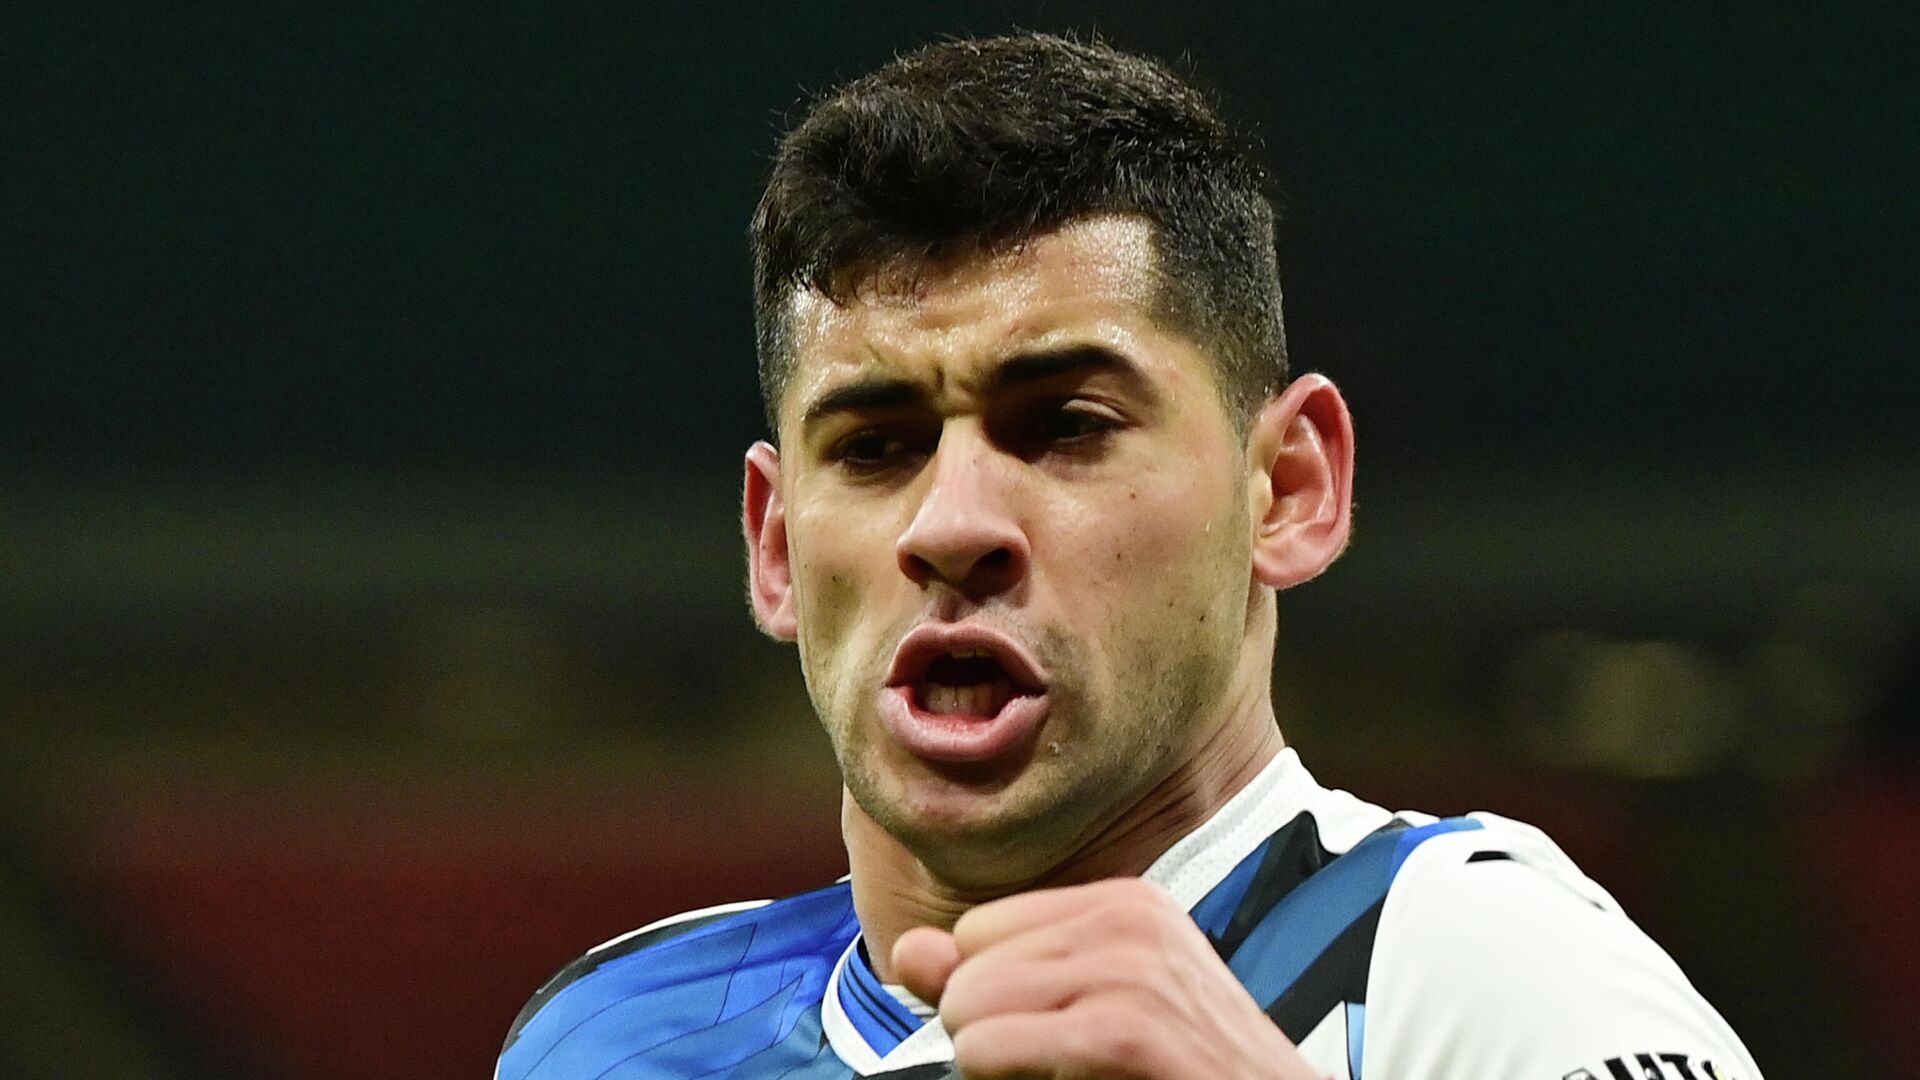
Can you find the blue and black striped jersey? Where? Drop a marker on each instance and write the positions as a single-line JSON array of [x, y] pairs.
[[1303, 891]]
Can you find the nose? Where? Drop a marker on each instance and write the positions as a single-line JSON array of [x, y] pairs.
[[964, 534]]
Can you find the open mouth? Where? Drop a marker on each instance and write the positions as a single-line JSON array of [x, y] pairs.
[[968, 682], [960, 693]]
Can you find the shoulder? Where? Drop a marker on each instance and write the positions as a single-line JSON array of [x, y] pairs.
[[646, 985], [1443, 853], [1495, 953]]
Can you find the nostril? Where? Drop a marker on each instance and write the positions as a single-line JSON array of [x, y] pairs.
[[917, 568], [997, 559]]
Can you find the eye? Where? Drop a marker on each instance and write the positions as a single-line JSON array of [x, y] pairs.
[[869, 450], [1074, 421], [866, 447]]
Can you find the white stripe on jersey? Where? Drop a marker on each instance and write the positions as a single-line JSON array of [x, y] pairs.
[[661, 924]]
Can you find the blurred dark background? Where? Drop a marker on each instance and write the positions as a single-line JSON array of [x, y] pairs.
[[376, 376]]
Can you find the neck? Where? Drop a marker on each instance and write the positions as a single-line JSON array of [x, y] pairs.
[[894, 891]]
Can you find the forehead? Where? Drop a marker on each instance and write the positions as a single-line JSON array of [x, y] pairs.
[[1093, 281]]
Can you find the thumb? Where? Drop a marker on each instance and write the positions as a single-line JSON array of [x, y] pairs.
[[923, 958]]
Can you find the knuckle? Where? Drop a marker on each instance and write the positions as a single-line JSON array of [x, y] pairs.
[[965, 990], [1135, 913], [1112, 1038], [1137, 963]]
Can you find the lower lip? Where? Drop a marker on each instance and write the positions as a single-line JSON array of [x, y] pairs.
[[959, 738]]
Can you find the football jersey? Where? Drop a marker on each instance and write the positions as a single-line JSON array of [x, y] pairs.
[[1388, 945]]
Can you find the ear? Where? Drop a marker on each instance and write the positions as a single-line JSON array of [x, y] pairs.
[[1300, 482], [769, 569]]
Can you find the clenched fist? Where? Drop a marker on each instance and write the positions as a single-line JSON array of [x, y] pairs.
[[1105, 980]]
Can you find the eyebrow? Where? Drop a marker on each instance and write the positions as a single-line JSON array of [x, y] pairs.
[[871, 392], [890, 392], [1073, 359]]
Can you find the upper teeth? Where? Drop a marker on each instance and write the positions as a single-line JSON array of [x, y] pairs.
[[967, 654], [980, 699]]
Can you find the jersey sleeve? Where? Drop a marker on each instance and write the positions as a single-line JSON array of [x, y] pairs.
[[1495, 958]]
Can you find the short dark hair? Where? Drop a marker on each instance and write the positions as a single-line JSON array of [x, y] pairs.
[[971, 145]]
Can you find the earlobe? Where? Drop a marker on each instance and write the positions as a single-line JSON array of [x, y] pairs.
[[1301, 482], [769, 565]]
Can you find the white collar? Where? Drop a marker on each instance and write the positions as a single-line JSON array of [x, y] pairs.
[[1189, 870]]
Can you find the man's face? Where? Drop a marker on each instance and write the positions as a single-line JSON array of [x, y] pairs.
[[1017, 528]]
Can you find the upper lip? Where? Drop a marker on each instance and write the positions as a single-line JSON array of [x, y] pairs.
[[929, 642]]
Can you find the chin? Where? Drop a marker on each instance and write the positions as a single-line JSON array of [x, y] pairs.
[[969, 818]]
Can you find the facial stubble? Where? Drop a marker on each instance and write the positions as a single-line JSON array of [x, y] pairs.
[[1109, 743]]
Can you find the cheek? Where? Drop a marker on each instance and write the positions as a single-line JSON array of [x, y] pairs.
[[1158, 542], [830, 563], [1160, 572]]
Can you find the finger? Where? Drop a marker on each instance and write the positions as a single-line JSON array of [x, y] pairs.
[[1020, 913], [923, 960], [987, 986], [1017, 1046], [1054, 909], [1084, 1041]]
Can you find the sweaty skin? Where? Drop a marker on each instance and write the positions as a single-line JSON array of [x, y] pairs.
[[1011, 442]]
